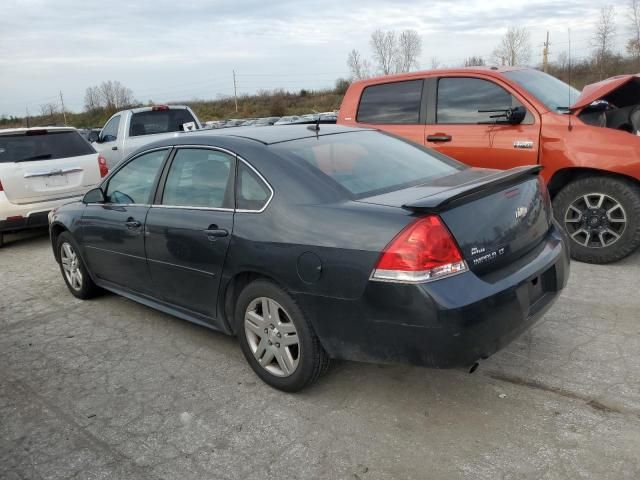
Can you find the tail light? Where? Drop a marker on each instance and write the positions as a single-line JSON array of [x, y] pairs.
[[1, 187], [424, 250], [156, 108], [102, 164]]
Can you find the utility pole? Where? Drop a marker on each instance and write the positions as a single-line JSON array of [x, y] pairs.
[[28, 117], [64, 114], [545, 55], [235, 92]]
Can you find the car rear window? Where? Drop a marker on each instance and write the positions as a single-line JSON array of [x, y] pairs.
[[42, 145], [159, 121], [368, 163], [391, 103]]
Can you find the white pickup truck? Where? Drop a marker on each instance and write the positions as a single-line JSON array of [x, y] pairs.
[[128, 130]]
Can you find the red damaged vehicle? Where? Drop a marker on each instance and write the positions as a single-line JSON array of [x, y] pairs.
[[504, 117]]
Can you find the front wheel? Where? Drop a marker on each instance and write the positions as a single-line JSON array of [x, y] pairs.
[[601, 216], [74, 272], [277, 339]]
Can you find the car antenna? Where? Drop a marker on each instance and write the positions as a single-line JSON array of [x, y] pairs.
[[569, 80], [316, 127]]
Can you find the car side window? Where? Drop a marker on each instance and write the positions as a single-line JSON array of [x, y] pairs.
[[461, 99], [252, 192], [110, 130], [132, 184], [391, 103], [199, 178]]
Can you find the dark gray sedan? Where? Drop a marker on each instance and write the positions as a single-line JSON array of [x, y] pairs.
[[317, 242]]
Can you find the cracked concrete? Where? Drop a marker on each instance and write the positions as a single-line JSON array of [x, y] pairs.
[[111, 389]]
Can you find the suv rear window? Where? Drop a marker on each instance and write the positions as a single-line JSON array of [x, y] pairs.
[[367, 163], [391, 103], [159, 121], [43, 145]]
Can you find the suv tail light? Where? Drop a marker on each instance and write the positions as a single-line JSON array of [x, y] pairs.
[[424, 250], [1, 187], [102, 164]]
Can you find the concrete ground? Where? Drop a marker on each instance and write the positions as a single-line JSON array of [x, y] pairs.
[[111, 389]]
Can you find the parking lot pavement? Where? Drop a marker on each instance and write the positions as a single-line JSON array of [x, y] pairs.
[[111, 389]]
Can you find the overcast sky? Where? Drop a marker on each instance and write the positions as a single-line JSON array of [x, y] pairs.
[[181, 50]]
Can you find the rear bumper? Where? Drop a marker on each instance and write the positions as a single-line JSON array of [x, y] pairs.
[[447, 323], [14, 217]]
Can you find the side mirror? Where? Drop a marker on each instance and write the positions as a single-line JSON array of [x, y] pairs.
[[93, 136], [95, 195], [516, 115]]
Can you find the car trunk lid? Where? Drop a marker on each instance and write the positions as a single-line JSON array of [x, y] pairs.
[[46, 164], [495, 216]]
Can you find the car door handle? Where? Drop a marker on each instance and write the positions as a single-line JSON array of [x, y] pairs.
[[114, 148], [131, 223], [214, 232], [439, 138]]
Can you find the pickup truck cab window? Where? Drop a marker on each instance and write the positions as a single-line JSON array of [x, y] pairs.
[[133, 183], [391, 103], [199, 178], [462, 100], [153, 122], [110, 130]]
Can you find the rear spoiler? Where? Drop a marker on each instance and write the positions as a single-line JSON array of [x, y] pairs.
[[466, 192]]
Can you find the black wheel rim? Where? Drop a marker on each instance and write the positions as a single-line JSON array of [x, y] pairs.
[[595, 220]]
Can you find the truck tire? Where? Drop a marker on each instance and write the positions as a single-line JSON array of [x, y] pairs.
[[601, 216]]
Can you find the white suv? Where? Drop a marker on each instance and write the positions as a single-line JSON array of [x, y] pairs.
[[40, 169]]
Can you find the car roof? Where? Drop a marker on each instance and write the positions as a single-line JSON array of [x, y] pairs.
[[8, 131], [493, 71], [275, 134]]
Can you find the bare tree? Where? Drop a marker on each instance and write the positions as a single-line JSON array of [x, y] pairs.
[[633, 46], [92, 99], [474, 61], [114, 95], [358, 66], [384, 48], [435, 63], [49, 111], [514, 48], [408, 50], [563, 61], [603, 38]]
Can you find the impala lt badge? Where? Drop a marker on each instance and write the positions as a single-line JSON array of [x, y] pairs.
[[521, 212], [523, 144]]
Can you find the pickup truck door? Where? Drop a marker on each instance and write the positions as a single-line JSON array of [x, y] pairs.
[[457, 128], [395, 107], [111, 140]]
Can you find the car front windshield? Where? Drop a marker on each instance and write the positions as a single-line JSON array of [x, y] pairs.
[[552, 92]]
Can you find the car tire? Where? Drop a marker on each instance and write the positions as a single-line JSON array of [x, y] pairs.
[[601, 216], [73, 270], [1, 239], [268, 322]]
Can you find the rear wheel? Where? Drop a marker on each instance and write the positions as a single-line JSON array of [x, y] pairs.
[[601, 216], [73, 270], [277, 339]]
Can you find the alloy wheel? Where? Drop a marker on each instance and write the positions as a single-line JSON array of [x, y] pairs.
[[595, 220], [71, 266], [272, 336]]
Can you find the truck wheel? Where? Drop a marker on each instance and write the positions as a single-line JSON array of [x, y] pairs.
[[601, 216]]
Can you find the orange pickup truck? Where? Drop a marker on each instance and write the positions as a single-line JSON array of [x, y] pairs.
[[588, 143]]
